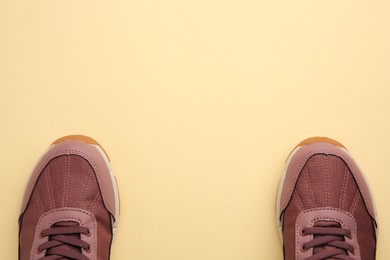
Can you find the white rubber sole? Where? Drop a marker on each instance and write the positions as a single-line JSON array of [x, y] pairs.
[[280, 188], [114, 185]]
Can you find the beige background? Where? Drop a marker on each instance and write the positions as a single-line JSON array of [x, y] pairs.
[[198, 103]]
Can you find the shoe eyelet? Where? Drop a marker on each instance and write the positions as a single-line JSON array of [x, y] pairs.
[[89, 249], [41, 235], [302, 232], [88, 234], [303, 248]]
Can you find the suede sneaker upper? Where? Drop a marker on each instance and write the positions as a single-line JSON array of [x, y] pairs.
[[325, 207], [70, 206]]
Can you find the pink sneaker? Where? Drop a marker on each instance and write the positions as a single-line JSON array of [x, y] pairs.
[[71, 205], [324, 208]]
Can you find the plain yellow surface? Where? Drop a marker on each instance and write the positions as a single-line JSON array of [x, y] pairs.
[[198, 103]]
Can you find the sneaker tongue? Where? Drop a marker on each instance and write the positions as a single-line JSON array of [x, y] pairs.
[[324, 223], [67, 247]]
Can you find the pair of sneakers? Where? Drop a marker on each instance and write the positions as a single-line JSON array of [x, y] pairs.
[[70, 207]]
